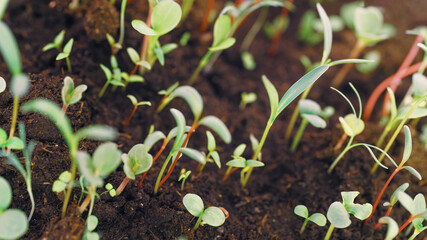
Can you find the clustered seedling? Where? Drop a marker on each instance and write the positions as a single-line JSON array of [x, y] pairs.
[[184, 174], [212, 216], [317, 218], [63, 52]]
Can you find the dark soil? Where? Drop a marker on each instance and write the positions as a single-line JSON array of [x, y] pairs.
[[263, 210]]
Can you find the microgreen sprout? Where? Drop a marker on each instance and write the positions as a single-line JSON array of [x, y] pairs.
[[116, 46], [166, 93], [25, 171], [60, 185], [69, 94], [417, 209], [185, 37], [184, 174], [311, 112], [72, 139], [246, 165], [111, 191], [247, 98], [13, 222], [91, 224], [392, 227], [135, 162], [369, 28], [406, 154], [212, 216], [339, 212], [135, 58], [165, 16], [393, 201], [135, 104], [212, 155], [318, 218], [10, 143], [63, 52], [104, 161], [114, 76]]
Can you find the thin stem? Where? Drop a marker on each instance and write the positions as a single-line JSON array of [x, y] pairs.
[[130, 116], [355, 53], [259, 22], [280, 28], [73, 150], [199, 220], [92, 201], [14, 116], [122, 22], [329, 233], [386, 215], [165, 142], [200, 67], [84, 204], [229, 171], [67, 60], [204, 24], [406, 223], [346, 149], [146, 39], [384, 134], [377, 201], [33, 204], [64, 108], [104, 88], [303, 226], [122, 185], [298, 136], [341, 141]]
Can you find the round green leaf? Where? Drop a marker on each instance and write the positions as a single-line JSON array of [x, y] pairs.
[[65, 176], [347, 12], [13, 224], [20, 85], [213, 216], [91, 222], [165, 16], [301, 211], [58, 186], [221, 29], [6, 194], [406, 201], [254, 163], [239, 150], [419, 84], [3, 137], [15, 143], [308, 106], [338, 215], [194, 204], [318, 219], [2, 84], [351, 125], [315, 121], [368, 21], [192, 97], [133, 54], [211, 141], [106, 158]]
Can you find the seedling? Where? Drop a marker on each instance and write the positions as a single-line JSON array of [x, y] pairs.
[[164, 18], [367, 68], [311, 112], [185, 37], [339, 212], [116, 46], [195, 102], [91, 224], [318, 218], [165, 98], [417, 208], [212, 216], [137, 161], [393, 201], [109, 187], [10, 143], [105, 160], [392, 228], [212, 155], [72, 139], [27, 151], [221, 41], [369, 29], [184, 174], [13, 222], [57, 44], [71, 95], [246, 165], [62, 182], [406, 154], [135, 104], [247, 98], [113, 76], [134, 57]]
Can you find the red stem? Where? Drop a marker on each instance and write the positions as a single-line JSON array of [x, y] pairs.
[[130, 116], [382, 192], [190, 132], [382, 87], [165, 142], [410, 219], [64, 108], [275, 42], [146, 37], [204, 24], [122, 185], [133, 70], [386, 215]]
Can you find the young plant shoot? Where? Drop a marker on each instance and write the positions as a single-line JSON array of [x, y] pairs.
[[370, 29], [393, 201], [91, 224], [69, 94], [72, 139], [13, 222], [311, 112], [116, 46], [212, 216], [184, 174], [135, 104], [165, 17], [57, 44], [60, 185], [318, 218], [417, 209], [247, 98], [212, 155], [406, 154], [339, 212]]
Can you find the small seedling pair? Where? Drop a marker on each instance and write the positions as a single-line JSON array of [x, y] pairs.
[[212, 216], [57, 44]]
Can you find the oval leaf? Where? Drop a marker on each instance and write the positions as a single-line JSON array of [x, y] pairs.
[[392, 228], [194, 204], [106, 158], [318, 219], [192, 97], [338, 215], [165, 16], [194, 154], [6, 194], [217, 126], [211, 141], [413, 172], [213, 216], [153, 138], [272, 95], [301, 211], [239, 163], [142, 28], [315, 121], [408, 144], [13, 224]]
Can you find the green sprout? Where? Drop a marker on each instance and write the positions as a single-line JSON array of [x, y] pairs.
[[312, 113], [247, 98], [113, 76], [104, 161], [165, 17], [392, 227], [110, 189], [63, 52], [366, 68], [136, 161], [212, 216], [240, 162], [72, 139], [135, 58], [369, 28], [116, 46], [62, 182], [185, 37], [311, 29], [184, 174], [318, 218], [27, 151], [417, 209], [10, 143], [393, 201], [91, 224], [165, 99], [221, 41], [135, 104], [212, 155], [69, 94], [13, 222], [339, 212]]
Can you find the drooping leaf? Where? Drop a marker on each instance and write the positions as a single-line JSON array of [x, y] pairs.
[[327, 33], [6, 194], [194, 204], [142, 28], [9, 50], [413, 172], [254, 142], [97, 132], [217, 126], [239, 150], [272, 95], [153, 138], [221, 29], [192, 97], [140, 159], [211, 141], [106, 158], [194, 154]]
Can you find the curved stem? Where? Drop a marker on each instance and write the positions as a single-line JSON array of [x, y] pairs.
[[33, 204], [199, 220], [67, 60], [259, 22], [130, 116], [298, 136], [303, 226], [346, 149], [122, 185], [92, 199], [104, 88]]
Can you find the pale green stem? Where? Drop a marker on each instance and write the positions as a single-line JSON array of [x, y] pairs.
[[30, 193], [199, 220], [159, 177], [303, 226], [200, 67], [346, 149], [92, 200], [67, 60], [295, 114], [14, 116], [122, 22], [73, 151], [258, 150], [383, 134], [104, 88], [298, 136], [329, 233], [259, 22]]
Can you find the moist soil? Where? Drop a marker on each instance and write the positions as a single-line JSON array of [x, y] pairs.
[[262, 210]]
